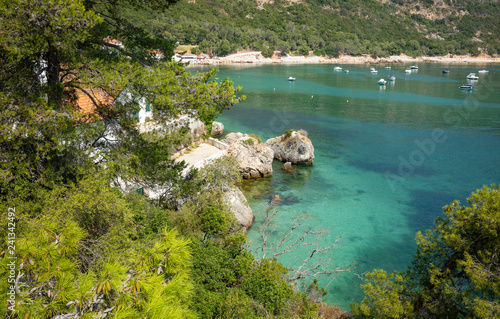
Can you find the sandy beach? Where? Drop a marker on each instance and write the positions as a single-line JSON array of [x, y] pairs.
[[256, 58]]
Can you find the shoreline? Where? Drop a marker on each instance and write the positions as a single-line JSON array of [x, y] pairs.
[[256, 58]]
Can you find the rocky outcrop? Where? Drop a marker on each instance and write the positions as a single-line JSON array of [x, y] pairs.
[[254, 158], [295, 148], [238, 205], [287, 167], [217, 129]]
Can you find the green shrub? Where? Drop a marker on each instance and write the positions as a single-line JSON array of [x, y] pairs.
[[267, 52], [319, 52], [215, 220], [257, 137], [249, 142], [266, 283], [304, 50], [289, 132]]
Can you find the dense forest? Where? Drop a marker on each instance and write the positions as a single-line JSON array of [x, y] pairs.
[[332, 27]]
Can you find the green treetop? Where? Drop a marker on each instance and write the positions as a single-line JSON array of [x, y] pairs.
[[53, 50]]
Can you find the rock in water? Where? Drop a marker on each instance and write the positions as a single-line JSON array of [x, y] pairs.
[[295, 148], [254, 158], [276, 200], [238, 205], [287, 167], [217, 129]]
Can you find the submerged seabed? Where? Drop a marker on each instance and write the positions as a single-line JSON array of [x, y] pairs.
[[388, 158]]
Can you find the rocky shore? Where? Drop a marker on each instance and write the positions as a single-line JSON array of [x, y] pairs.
[[255, 57]]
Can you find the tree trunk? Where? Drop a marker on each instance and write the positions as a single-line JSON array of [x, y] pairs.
[[55, 87]]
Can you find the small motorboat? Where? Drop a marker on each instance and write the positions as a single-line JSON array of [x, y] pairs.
[[446, 71], [467, 87], [388, 67], [337, 68], [482, 71], [381, 82], [391, 78], [291, 78], [407, 71], [472, 76], [346, 71], [414, 67]]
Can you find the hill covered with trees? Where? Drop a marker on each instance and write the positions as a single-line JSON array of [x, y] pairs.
[[332, 27]]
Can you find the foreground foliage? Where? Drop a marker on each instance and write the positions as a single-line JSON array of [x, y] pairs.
[[455, 272]]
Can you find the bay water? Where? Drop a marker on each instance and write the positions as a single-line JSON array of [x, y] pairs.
[[388, 158]]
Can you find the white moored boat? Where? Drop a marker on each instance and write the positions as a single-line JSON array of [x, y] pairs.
[[472, 76]]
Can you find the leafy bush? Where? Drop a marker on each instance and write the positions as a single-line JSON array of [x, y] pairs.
[[303, 50], [267, 52], [319, 52], [289, 132], [332, 51], [266, 283], [215, 220], [257, 137], [249, 142]]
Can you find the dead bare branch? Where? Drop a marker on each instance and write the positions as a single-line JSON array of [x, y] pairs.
[[309, 241]]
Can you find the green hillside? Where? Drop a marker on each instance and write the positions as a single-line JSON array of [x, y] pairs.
[[379, 28]]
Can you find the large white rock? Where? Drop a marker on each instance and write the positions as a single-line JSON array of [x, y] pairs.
[[238, 205], [217, 129], [295, 148], [254, 158]]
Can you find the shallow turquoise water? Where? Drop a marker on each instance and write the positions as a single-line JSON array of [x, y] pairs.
[[387, 158]]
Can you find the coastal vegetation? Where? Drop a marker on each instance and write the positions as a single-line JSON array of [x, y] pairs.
[[328, 27]]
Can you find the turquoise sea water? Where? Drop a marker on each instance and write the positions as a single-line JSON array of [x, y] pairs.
[[387, 158]]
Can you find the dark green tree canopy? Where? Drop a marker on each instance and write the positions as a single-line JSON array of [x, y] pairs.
[[53, 51]]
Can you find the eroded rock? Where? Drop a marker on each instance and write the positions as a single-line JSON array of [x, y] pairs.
[[238, 205], [254, 159], [217, 129], [294, 147]]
